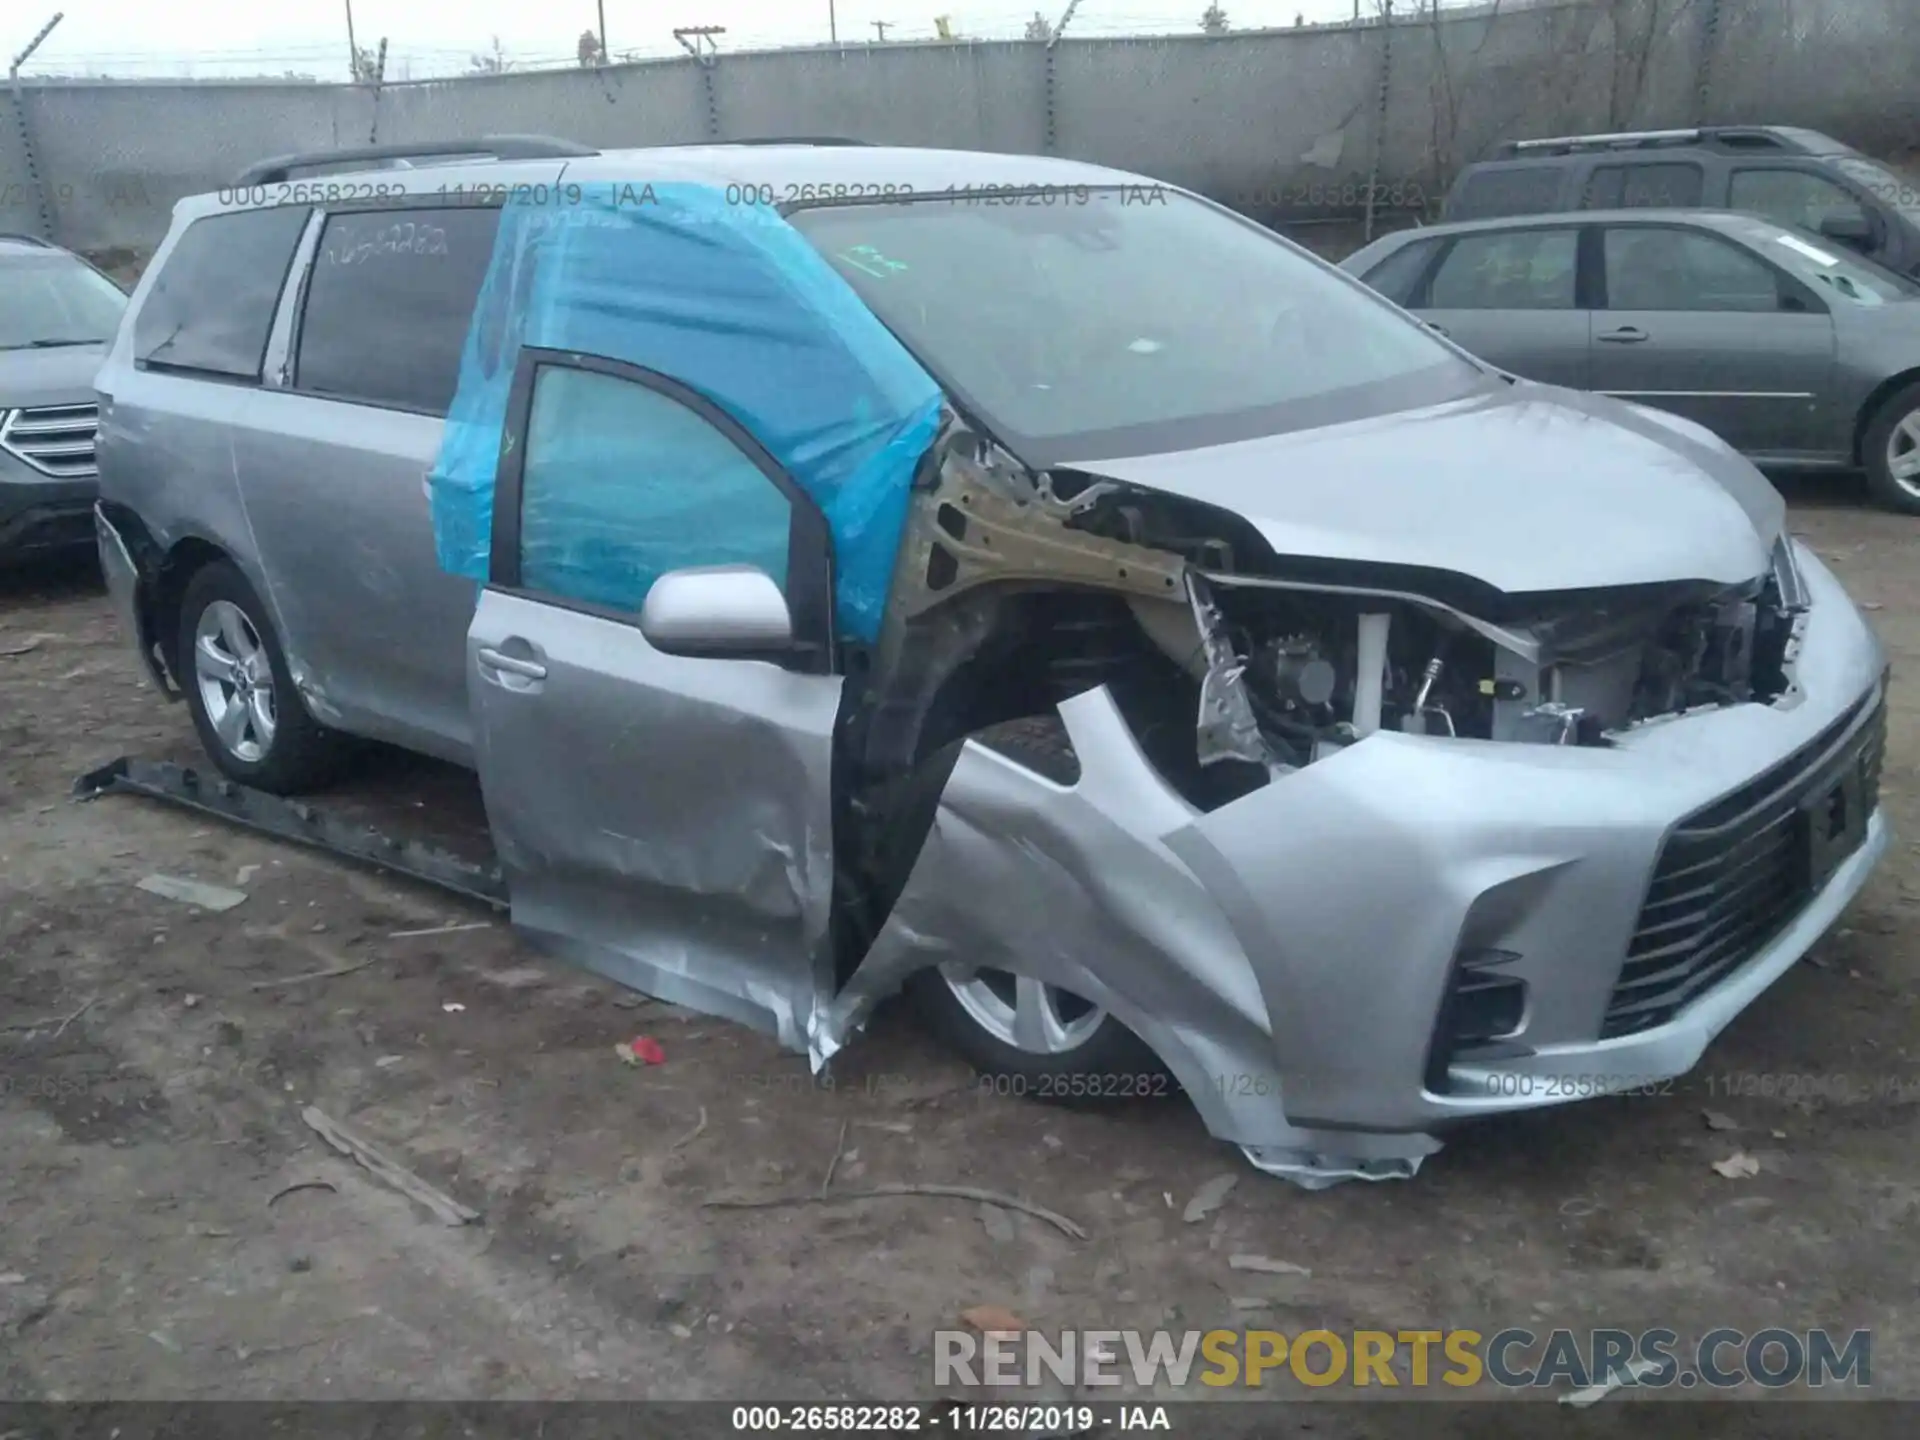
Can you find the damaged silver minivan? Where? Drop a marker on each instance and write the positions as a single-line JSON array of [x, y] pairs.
[[851, 569]]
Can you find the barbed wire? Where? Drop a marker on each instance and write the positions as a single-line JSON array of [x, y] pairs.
[[440, 61]]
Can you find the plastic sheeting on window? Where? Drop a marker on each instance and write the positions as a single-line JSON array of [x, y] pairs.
[[730, 300], [620, 482]]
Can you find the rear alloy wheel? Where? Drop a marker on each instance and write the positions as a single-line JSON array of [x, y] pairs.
[[1891, 452], [235, 680], [251, 721]]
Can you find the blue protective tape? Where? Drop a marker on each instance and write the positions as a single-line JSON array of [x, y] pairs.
[[731, 301]]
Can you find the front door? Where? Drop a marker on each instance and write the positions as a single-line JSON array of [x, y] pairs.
[[1790, 194], [1705, 328], [668, 816]]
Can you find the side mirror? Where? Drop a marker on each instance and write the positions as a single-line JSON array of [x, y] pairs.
[[1857, 231], [716, 610]]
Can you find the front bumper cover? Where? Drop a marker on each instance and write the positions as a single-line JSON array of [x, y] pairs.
[[41, 517], [1286, 956]]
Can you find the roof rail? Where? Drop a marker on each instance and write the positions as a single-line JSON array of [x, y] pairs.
[[25, 239], [1653, 139], [760, 140], [798, 140], [498, 147], [1624, 139]]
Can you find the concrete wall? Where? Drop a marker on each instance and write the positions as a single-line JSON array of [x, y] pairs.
[[1286, 125]]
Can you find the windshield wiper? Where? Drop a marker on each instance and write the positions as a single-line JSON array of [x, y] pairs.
[[50, 344]]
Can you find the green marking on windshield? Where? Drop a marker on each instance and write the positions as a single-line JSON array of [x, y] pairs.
[[869, 259]]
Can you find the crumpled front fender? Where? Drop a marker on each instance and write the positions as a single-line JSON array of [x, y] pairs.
[[1088, 896]]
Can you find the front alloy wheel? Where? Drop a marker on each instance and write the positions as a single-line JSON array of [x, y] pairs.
[[1024, 1014], [1025, 1037]]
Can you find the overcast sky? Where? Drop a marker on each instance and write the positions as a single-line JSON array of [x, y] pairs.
[[208, 38]]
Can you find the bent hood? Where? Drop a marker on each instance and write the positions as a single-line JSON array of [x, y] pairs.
[[1530, 488]]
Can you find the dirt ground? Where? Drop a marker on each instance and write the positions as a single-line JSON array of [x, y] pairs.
[[150, 1245]]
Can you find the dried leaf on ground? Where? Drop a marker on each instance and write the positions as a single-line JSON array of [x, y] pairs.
[[1717, 1121], [993, 1320], [1737, 1166], [1209, 1198]]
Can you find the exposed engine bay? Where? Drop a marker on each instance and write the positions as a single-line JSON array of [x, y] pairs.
[[1017, 590], [1319, 670]]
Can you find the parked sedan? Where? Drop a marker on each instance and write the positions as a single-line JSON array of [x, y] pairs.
[[1795, 351]]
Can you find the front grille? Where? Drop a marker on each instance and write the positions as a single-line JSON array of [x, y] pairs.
[[56, 440], [1733, 876]]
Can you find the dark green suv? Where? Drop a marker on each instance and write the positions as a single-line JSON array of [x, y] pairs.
[[1790, 176], [57, 314]]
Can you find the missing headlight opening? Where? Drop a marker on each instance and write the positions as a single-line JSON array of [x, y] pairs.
[[1322, 669], [1234, 665]]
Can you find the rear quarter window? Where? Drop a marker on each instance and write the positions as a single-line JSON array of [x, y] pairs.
[[389, 304], [1499, 190], [212, 304]]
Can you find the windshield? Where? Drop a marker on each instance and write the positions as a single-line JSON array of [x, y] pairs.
[[1833, 269], [55, 300], [1889, 188], [1086, 322]]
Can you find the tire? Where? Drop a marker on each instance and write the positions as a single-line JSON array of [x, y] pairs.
[[987, 1016], [275, 745], [1893, 436]]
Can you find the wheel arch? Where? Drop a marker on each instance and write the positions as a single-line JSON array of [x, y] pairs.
[[184, 559]]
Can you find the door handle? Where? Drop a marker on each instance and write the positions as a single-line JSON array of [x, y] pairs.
[[491, 659], [1625, 335]]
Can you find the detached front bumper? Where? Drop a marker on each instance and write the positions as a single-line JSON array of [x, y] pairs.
[[1299, 958]]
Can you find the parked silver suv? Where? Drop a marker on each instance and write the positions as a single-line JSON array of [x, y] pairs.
[[852, 568], [57, 314]]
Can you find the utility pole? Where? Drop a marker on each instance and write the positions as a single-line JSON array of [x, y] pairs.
[[833, 24], [880, 27], [353, 50], [604, 58]]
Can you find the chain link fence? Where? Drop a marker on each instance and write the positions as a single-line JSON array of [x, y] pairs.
[[1328, 132]]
